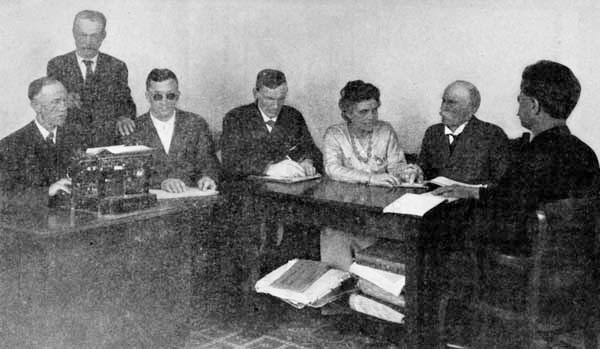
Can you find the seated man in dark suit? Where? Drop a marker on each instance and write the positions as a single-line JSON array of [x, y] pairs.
[[184, 151], [268, 137], [39, 154], [462, 147], [553, 165], [99, 98]]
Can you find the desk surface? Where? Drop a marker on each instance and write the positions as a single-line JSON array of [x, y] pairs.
[[326, 190], [30, 214]]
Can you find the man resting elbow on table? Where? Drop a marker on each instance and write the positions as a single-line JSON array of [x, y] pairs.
[[361, 150]]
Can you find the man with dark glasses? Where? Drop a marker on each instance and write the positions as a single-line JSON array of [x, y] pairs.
[[184, 151]]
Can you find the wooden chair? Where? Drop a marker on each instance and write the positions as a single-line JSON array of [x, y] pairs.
[[558, 270]]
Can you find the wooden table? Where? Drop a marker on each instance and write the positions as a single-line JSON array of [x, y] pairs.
[[357, 209]]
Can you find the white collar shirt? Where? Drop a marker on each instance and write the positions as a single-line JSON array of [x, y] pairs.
[[165, 130], [455, 133], [45, 132], [266, 118]]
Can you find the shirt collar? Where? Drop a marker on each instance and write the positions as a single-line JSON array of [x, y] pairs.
[[45, 132], [169, 122], [456, 132], [264, 116], [82, 65]]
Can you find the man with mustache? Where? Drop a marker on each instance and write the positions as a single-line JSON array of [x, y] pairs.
[[98, 93], [462, 147], [39, 154]]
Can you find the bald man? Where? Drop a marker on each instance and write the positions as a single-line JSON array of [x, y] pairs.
[[462, 147]]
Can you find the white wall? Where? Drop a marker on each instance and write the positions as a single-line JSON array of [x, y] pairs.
[[410, 49]]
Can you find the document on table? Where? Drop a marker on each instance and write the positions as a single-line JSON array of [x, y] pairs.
[[414, 204], [285, 179], [443, 182], [189, 192], [118, 149]]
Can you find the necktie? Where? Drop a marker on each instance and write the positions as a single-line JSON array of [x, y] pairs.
[[270, 123], [50, 138], [452, 142], [88, 69]]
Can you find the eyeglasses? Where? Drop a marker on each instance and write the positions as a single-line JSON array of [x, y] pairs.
[[171, 96]]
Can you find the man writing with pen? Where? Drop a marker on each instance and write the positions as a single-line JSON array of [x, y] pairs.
[[267, 137]]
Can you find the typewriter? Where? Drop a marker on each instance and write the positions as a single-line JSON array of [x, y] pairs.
[[112, 180]]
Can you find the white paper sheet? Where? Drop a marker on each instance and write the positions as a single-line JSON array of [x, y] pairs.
[[390, 282], [118, 149], [189, 192], [414, 204]]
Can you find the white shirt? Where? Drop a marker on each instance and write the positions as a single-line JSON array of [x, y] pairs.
[[82, 65], [45, 132], [456, 132], [165, 130], [266, 118]]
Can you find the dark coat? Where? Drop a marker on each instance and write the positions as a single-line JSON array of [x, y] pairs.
[[480, 156], [191, 153], [106, 97], [248, 147]]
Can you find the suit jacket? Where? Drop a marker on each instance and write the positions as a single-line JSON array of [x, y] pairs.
[[191, 153], [248, 147], [480, 156], [27, 160], [106, 97], [554, 165]]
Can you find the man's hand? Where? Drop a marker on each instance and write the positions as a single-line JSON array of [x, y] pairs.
[[73, 100], [308, 167], [63, 184], [206, 183], [285, 168], [125, 125], [457, 191], [384, 179], [173, 185]]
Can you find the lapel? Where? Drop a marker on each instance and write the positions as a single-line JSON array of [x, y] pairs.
[[258, 124], [150, 135], [462, 142], [177, 140], [100, 67], [74, 69]]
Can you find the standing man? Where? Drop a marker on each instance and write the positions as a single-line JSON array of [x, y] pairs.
[[268, 137], [462, 147], [99, 96], [39, 154], [184, 151]]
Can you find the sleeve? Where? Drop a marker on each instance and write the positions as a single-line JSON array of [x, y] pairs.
[[499, 157], [122, 95], [241, 156], [395, 155], [206, 159], [311, 151], [334, 160], [425, 156], [52, 69]]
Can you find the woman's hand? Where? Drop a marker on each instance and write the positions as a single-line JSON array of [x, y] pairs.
[[384, 179]]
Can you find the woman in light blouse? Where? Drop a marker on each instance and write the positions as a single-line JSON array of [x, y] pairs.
[[363, 149]]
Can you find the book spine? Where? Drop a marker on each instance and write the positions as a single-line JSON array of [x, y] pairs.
[[382, 264]]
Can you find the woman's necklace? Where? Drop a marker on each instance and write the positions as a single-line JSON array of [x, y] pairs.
[[356, 152]]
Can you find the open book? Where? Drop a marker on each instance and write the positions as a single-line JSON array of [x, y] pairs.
[[118, 149], [303, 282]]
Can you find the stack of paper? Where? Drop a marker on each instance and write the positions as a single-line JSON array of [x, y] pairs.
[[389, 282], [443, 182], [189, 192], [118, 149], [302, 282]]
